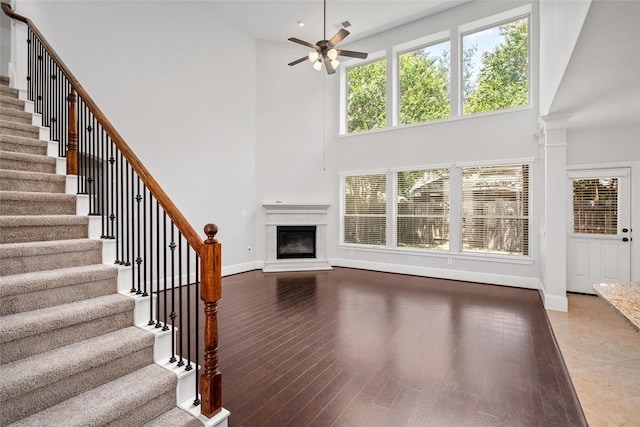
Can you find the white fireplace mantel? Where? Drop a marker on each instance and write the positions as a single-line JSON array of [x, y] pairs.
[[284, 214]]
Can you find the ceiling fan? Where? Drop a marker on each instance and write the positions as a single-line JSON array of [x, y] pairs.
[[324, 51]]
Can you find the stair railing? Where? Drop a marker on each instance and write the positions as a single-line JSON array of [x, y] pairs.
[[167, 259]]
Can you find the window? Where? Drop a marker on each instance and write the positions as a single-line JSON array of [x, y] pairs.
[[495, 66], [366, 96], [423, 209], [595, 206], [365, 209], [424, 84], [495, 209]]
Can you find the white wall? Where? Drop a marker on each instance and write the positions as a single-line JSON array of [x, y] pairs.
[[179, 85], [290, 120], [560, 25]]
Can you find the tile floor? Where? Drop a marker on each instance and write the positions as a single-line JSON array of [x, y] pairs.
[[602, 354]]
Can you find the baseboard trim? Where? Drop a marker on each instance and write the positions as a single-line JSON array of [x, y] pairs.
[[440, 273], [229, 270], [554, 302]]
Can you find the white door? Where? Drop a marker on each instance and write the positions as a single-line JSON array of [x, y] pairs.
[[599, 238]]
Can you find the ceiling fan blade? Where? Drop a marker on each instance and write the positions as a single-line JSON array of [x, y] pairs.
[[352, 54], [327, 63], [304, 43], [338, 37], [297, 61]]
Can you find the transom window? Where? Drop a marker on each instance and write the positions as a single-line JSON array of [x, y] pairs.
[[367, 96], [424, 84], [496, 67], [491, 74]]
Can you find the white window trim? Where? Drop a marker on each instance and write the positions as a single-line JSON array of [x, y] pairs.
[[504, 162], [455, 213], [402, 48], [346, 65], [455, 78], [491, 22]]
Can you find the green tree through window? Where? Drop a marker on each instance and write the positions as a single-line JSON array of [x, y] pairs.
[[424, 84], [367, 96], [503, 78]]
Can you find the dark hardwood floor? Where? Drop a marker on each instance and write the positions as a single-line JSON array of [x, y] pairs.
[[358, 348]]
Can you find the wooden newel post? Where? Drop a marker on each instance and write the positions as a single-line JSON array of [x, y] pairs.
[[210, 293], [72, 144]]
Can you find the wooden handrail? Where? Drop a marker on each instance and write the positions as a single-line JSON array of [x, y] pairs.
[[194, 239], [209, 251]]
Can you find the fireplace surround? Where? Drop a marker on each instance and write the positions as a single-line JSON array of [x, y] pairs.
[[300, 219]]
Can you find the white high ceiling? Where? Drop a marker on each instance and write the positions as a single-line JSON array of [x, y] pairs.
[[278, 20]]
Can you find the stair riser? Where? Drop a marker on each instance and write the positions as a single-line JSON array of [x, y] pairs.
[[28, 133], [36, 207], [13, 145], [21, 406], [8, 91], [49, 340], [43, 262], [22, 234], [20, 165], [55, 296], [12, 103], [17, 117], [53, 185], [147, 412]]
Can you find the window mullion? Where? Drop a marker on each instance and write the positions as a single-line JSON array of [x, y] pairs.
[[455, 210], [455, 75], [392, 209]]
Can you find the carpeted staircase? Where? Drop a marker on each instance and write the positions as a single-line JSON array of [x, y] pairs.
[[70, 354]]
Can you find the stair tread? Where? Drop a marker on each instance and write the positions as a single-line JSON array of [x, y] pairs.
[[28, 195], [8, 173], [175, 417], [45, 368], [103, 404], [25, 140], [10, 250], [42, 220], [20, 126], [20, 325], [27, 157], [39, 280]]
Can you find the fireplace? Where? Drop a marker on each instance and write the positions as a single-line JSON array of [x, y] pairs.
[[296, 237], [296, 242]]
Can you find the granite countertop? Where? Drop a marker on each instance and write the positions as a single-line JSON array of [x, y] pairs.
[[624, 298]]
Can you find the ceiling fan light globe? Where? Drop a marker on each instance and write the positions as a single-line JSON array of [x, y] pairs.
[[335, 63], [313, 56], [317, 65], [332, 54]]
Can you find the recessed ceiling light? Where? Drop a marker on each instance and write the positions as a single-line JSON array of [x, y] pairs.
[[300, 24]]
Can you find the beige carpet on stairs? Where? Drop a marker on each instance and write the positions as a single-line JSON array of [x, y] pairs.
[[69, 352]]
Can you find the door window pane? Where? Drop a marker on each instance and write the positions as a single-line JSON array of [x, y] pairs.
[[595, 206]]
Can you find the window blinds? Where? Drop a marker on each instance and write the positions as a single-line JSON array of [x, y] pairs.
[[595, 206], [495, 209], [365, 204], [423, 209]]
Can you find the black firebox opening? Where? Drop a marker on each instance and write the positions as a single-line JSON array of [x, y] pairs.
[[296, 241]]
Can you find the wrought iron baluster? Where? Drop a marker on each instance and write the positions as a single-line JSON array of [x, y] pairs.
[[164, 265], [197, 400], [180, 290], [158, 294], [139, 202], [172, 247]]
